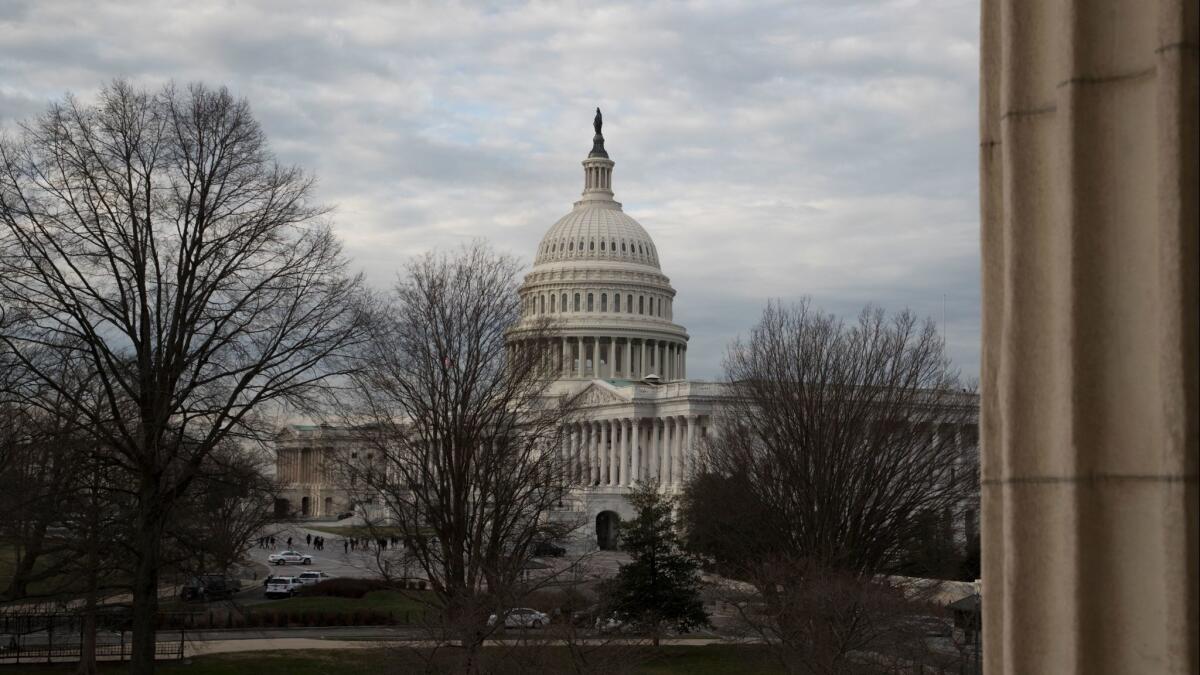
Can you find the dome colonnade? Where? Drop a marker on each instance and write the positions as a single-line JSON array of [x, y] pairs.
[[596, 276]]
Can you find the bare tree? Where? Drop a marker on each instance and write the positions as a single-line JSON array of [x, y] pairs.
[[155, 239], [840, 443], [458, 434]]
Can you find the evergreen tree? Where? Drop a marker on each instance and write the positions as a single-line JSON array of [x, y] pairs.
[[660, 588]]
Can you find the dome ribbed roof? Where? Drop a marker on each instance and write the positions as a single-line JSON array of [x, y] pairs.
[[597, 231]]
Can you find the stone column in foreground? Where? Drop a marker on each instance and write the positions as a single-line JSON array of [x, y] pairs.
[[1088, 165]]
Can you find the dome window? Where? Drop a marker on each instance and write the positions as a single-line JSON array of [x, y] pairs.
[[616, 302], [576, 302], [622, 247], [592, 245], [603, 296], [601, 245], [612, 246], [629, 304], [591, 307], [572, 246]]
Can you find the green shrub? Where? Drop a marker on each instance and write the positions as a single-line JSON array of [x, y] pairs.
[[344, 588]]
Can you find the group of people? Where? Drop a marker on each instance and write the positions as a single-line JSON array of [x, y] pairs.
[[356, 544], [348, 544]]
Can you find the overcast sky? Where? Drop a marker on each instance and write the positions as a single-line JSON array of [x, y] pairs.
[[771, 149]]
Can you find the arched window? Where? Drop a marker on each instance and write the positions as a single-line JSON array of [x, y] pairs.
[[612, 246], [590, 306], [629, 303], [616, 302], [576, 302], [641, 304], [563, 305], [603, 300], [552, 297], [622, 247], [639, 249], [571, 246], [592, 245], [601, 245], [541, 304]]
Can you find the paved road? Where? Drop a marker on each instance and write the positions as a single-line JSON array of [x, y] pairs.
[[334, 560]]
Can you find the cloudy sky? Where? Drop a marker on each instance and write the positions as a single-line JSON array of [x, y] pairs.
[[772, 149]]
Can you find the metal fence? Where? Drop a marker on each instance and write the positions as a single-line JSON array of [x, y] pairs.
[[56, 636]]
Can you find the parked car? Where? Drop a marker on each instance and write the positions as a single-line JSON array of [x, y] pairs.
[[611, 624], [521, 617], [345, 514], [282, 587], [289, 557], [205, 587], [548, 549], [312, 577]]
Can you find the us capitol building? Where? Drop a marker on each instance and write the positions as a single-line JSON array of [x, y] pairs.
[[597, 273]]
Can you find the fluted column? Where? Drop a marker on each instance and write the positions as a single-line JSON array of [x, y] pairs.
[[677, 452], [602, 448], [566, 351], [689, 451], [1090, 380], [577, 451], [612, 358], [635, 450], [652, 455], [623, 458]]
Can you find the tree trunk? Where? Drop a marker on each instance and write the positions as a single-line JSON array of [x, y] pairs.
[[87, 646], [145, 583]]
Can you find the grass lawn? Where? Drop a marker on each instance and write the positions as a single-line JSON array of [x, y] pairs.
[[706, 660], [384, 601]]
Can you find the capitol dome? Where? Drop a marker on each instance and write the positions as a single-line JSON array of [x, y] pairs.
[[597, 231], [596, 276]]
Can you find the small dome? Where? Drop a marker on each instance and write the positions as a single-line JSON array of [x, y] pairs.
[[597, 231]]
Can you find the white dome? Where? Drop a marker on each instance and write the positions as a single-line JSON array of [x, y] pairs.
[[597, 231]]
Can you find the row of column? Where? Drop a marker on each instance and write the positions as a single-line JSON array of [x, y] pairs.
[[627, 358], [621, 452], [300, 465]]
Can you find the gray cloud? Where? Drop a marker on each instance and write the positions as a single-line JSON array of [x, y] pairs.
[[773, 149]]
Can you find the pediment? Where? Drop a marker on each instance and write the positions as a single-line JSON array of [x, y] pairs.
[[600, 393]]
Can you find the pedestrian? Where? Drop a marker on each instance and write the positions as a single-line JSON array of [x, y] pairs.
[[289, 542], [308, 540], [272, 541], [346, 546]]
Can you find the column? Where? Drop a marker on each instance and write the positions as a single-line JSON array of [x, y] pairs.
[[577, 452], [605, 435], [689, 449], [635, 451], [623, 458], [641, 372], [612, 358], [652, 455], [683, 363], [676, 450], [629, 358], [1090, 369], [562, 363], [671, 361]]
